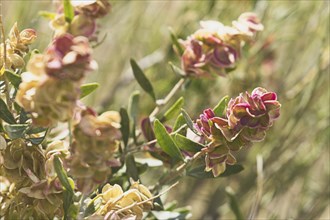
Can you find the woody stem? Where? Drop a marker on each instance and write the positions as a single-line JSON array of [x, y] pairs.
[[167, 98]]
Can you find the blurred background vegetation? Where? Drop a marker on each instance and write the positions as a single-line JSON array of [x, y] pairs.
[[290, 57]]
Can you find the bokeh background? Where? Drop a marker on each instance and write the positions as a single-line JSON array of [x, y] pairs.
[[290, 57]]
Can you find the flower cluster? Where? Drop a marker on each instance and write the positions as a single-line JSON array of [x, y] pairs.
[[32, 190], [17, 45], [50, 88], [117, 204], [84, 20], [22, 163], [92, 152], [247, 119], [216, 48]]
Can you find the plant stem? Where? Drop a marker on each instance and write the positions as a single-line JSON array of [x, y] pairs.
[[173, 174], [167, 98]]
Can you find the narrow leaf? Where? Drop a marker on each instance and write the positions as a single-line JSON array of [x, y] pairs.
[[23, 117], [68, 10], [174, 110], [179, 122], [87, 89], [133, 105], [165, 141], [142, 79], [131, 168], [67, 201], [67, 183], [37, 141], [177, 70], [16, 130], [177, 46], [133, 109], [219, 109], [142, 168], [147, 129], [35, 130], [186, 144], [124, 128], [189, 121], [62, 175], [5, 114], [13, 78]]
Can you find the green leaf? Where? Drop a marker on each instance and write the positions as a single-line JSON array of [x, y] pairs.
[[199, 171], [16, 131], [124, 128], [87, 89], [174, 110], [177, 70], [37, 141], [188, 120], [186, 144], [142, 167], [67, 183], [233, 204], [23, 117], [133, 110], [62, 175], [67, 203], [133, 105], [35, 130], [90, 209], [219, 109], [142, 79], [13, 78], [179, 122], [165, 141], [68, 10], [131, 168], [175, 42], [5, 114]]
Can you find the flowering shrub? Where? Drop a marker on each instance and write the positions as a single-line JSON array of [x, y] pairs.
[[90, 171]]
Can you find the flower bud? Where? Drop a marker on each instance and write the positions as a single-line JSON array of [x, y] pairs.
[[82, 25], [94, 8], [59, 25], [255, 111], [224, 56], [68, 58], [47, 99], [248, 24], [247, 119], [19, 41], [216, 48], [28, 36]]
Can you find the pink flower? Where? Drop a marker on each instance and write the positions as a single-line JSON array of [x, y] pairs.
[[69, 58]]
